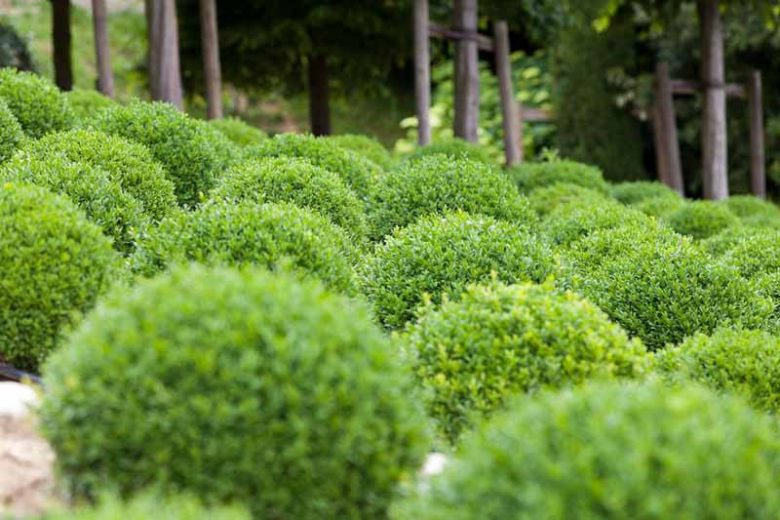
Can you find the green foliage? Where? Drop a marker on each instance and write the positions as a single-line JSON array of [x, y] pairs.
[[238, 386], [633, 193], [11, 133], [366, 146], [496, 341], [238, 131], [577, 219], [188, 149], [359, 173], [86, 104], [547, 199], [454, 148], [92, 189], [55, 263], [147, 506], [757, 254], [701, 219], [744, 362], [529, 176], [276, 236], [441, 255], [659, 286], [35, 102], [127, 163], [726, 240], [753, 211], [289, 179], [439, 183], [13, 49], [660, 207], [612, 451]]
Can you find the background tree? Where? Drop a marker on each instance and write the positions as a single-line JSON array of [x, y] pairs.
[[61, 43], [164, 68], [102, 48]]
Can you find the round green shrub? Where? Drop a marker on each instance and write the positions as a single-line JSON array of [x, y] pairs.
[[365, 146], [186, 148], [11, 133], [746, 206], [147, 506], [359, 173], [660, 207], [55, 264], [660, 286], [498, 340], [128, 163], [701, 219], [546, 199], [529, 176], [757, 255], [35, 102], [726, 240], [276, 236], [744, 362], [632, 193], [238, 132], [86, 104], [455, 148], [444, 254], [571, 222], [289, 179], [612, 451], [101, 198], [239, 386], [439, 183]]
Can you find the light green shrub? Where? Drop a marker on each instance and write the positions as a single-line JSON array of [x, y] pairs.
[[702, 219], [35, 102], [529, 176], [573, 221], [366, 146], [632, 193], [11, 133], [547, 199], [660, 207], [455, 148], [86, 104], [239, 132]]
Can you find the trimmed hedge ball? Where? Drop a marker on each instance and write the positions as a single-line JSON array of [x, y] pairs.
[[632, 193], [546, 199], [288, 179], [359, 173], [238, 386], [276, 236], [701, 219], [128, 163], [753, 211], [660, 207], [366, 146], [444, 254], [102, 199], [438, 184], [455, 148], [86, 104], [757, 254], [55, 264], [498, 340], [239, 132], [186, 148], [612, 451], [147, 506], [11, 133], [35, 102], [744, 362], [529, 176]]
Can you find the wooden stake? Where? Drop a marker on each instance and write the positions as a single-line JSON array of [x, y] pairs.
[[422, 72], [513, 148], [466, 72], [166, 82], [211, 66], [667, 148], [757, 157], [102, 49]]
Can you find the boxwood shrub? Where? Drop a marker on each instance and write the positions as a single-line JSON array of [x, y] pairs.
[[147, 506], [497, 340], [753, 211], [11, 133], [455, 148], [35, 102], [86, 104], [366, 146], [439, 183], [55, 264], [546, 199], [660, 207], [702, 219], [612, 451], [289, 179], [726, 240], [529, 176], [745, 362], [756, 255], [632, 193], [444, 254], [239, 132], [238, 386], [276, 236], [127, 163]]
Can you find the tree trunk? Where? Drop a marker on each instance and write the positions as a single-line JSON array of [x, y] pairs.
[[63, 65], [211, 66], [102, 52], [513, 146], [714, 145], [422, 72], [319, 95], [165, 71], [466, 72]]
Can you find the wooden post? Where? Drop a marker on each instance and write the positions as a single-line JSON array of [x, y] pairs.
[[422, 72], [757, 157], [513, 148], [102, 49], [466, 72], [714, 140], [211, 66], [667, 148], [166, 80], [319, 95], [61, 43]]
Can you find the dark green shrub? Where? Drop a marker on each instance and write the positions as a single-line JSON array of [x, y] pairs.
[[702, 219], [55, 263], [660, 207], [186, 148], [128, 163], [101, 198], [238, 132], [660, 286], [359, 173], [35, 102], [745, 362], [632, 193], [270, 235], [546, 199], [11, 133], [444, 254], [529, 176], [573, 221], [497, 340], [239, 386], [456, 149], [86, 104], [366, 146], [13, 49], [148, 506], [439, 183], [288, 179], [612, 451]]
